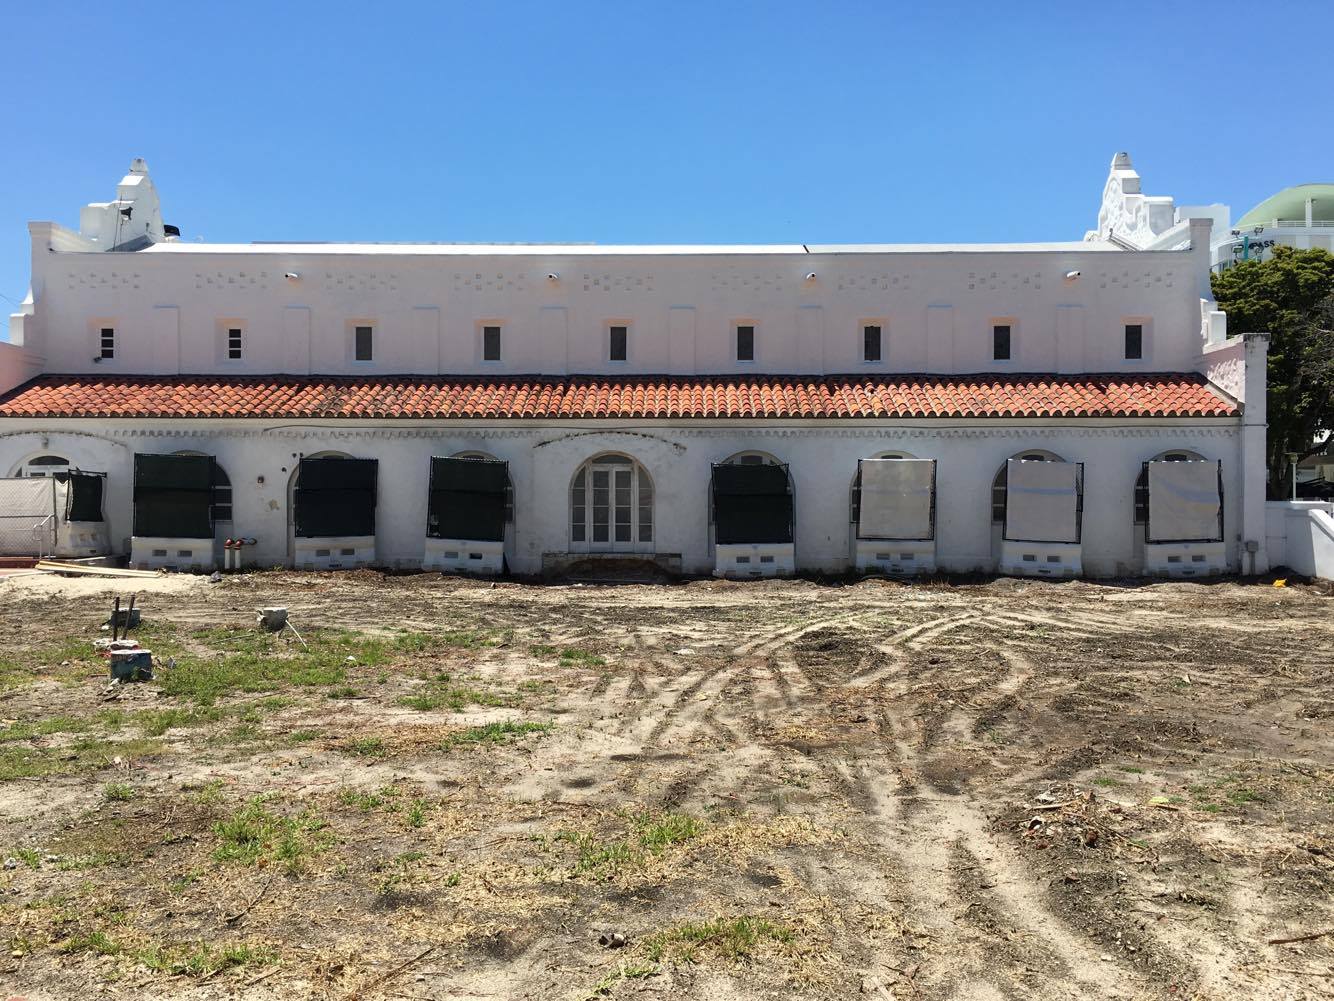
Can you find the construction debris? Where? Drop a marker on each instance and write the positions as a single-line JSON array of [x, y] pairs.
[[78, 569]]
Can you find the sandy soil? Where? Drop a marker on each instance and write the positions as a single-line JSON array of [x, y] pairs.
[[770, 790]]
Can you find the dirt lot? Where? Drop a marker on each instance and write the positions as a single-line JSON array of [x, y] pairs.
[[768, 790]]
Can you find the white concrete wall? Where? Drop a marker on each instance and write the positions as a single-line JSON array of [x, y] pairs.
[[1301, 536], [544, 457], [936, 309]]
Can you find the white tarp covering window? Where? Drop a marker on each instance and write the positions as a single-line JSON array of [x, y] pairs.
[[1042, 501], [1183, 501], [26, 508], [896, 499]]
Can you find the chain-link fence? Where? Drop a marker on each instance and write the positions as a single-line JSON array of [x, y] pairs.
[[27, 516]]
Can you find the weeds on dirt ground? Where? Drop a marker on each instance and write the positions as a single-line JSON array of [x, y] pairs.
[[649, 835], [246, 660], [254, 835], [189, 960], [493, 733]]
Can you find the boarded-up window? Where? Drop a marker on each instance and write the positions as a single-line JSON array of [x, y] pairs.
[[335, 497], [173, 496], [1044, 501], [895, 498], [1185, 501], [468, 499], [752, 503]]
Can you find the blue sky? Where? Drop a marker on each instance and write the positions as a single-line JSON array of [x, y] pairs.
[[634, 122]]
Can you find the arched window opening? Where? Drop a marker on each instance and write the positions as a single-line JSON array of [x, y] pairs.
[[44, 465], [1000, 485], [221, 507], [611, 506], [1142, 483]]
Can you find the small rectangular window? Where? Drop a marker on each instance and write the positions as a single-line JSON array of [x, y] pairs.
[[745, 343], [490, 344], [108, 342], [362, 347], [617, 346], [871, 342], [1134, 341], [234, 344], [1000, 342]]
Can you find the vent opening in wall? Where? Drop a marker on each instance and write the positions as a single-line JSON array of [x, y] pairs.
[[233, 344], [107, 343], [1000, 342]]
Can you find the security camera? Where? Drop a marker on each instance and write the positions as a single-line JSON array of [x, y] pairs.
[[553, 277], [1072, 276], [291, 276], [810, 276]]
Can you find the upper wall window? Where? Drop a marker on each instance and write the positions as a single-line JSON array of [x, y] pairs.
[[491, 343], [1000, 342], [745, 342], [1134, 341], [363, 347], [107, 343], [871, 342], [233, 343], [617, 342]]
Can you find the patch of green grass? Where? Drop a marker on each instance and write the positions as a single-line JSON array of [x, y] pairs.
[[363, 801], [97, 941], [89, 860], [585, 658], [344, 692], [248, 660], [441, 694], [417, 812], [254, 834], [1244, 795], [207, 792], [118, 792], [202, 959], [303, 736], [1106, 782], [29, 857], [43, 727], [368, 747], [664, 830], [731, 938], [454, 879], [493, 733], [1131, 770], [650, 834], [156, 722], [84, 755]]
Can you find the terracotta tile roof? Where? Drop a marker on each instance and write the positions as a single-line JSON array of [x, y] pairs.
[[584, 396]]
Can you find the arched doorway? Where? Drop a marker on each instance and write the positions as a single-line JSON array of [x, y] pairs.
[[611, 506]]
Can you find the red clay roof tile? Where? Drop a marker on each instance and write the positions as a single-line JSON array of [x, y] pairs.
[[636, 397]]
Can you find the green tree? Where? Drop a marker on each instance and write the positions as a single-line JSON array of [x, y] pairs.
[[1291, 296]]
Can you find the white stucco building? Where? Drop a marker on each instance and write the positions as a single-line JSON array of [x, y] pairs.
[[639, 398], [1301, 216]]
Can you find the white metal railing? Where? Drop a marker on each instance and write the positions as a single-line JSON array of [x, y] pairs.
[[1301, 224], [41, 534]]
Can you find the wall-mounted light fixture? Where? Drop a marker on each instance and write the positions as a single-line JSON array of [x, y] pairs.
[[553, 277], [291, 276], [810, 276], [1072, 276]]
